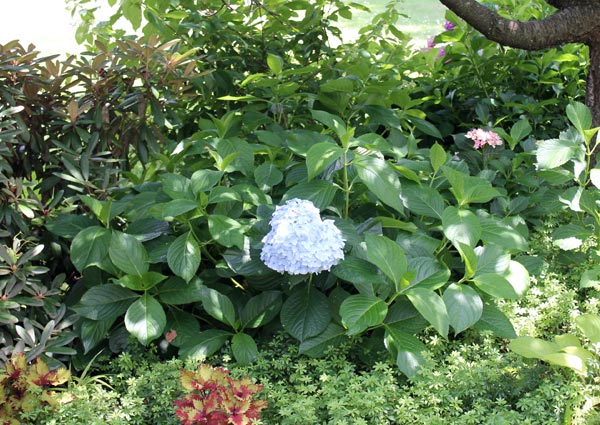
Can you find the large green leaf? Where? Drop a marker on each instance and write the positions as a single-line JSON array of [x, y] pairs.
[[205, 344], [580, 116], [90, 248], [333, 122], [468, 189], [93, 331], [553, 153], [176, 291], [495, 285], [495, 321], [387, 255], [319, 192], [381, 179], [169, 210], [141, 283], [177, 186], [423, 200], [226, 231], [316, 346], [461, 225], [360, 312], [590, 326], [104, 302], [363, 274], [128, 254], [184, 326], [437, 156], [320, 156], [261, 309], [203, 180], [432, 308], [518, 276], [218, 306], [429, 272], [306, 313], [267, 175], [145, 319], [493, 231], [244, 348], [491, 259], [183, 256], [464, 306], [406, 349]]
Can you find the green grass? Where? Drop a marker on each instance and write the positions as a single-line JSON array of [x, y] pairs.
[[422, 17]]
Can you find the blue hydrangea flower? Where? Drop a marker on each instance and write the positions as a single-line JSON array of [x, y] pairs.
[[299, 241]]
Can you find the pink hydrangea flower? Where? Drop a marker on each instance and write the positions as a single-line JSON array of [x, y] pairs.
[[482, 137]]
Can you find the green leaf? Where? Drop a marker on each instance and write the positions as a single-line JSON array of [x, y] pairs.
[[495, 285], [360, 312], [244, 348], [359, 272], [461, 225], [183, 256], [68, 226], [590, 278], [491, 259], [426, 127], [590, 326], [437, 156], [205, 344], [429, 272], [275, 63], [464, 306], [553, 153], [176, 291], [90, 248], [267, 175], [468, 189], [519, 131], [141, 283], [261, 309], [104, 302], [318, 345], [432, 308], [319, 192], [406, 348], [145, 319], [467, 254], [332, 122], [495, 321], [185, 325], [203, 180], [128, 254], [572, 361], [532, 348], [580, 116], [387, 255], [169, 210], [132, 11], [226, 231], [218, 306], [306, 313], [380, 178], [570, 236], [423, 200], [518, 276], [177, 186], [320, 156], [93, 331], [494, 231]]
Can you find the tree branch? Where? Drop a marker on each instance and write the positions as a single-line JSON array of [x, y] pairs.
[[574, 22]]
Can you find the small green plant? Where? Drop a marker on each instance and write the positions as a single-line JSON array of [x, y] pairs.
[[217, 399], [23, 387]]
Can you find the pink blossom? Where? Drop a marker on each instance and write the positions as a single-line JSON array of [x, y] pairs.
[[482, 137], [449, 26]]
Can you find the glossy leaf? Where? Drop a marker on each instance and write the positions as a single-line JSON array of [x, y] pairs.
[[387, 255], [320, 156], [406, 348], [244, 348], [183, 256], [104, 302], [205, 344], [464, 306], [128, 254], [306, 313], [461, 225], [145, 319], [226, 231], [380, 179], [218, 306], [90, 248], [318, 345], [432, 308], [261, 309], [360, 312]]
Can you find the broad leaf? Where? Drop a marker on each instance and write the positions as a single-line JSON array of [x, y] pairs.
[[128, 254], [93, 331], [90, 248], [590, 326], [205, 344], [176, 291], [360, 312], [261, 309], [495, 321], [218, 306], [183, 256], [141, 283], [387, 255], [145, 319], [244, 348], [423, 200], [464, 306], [432, 308], [461, 225], [319, 192], [226, 231], [330, 337], [380, 179], [104, 302], [553, 153], [320, 156], [406, 348], [496, 285], [306, 313]]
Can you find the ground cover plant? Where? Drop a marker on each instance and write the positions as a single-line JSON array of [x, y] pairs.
[[235, 188]]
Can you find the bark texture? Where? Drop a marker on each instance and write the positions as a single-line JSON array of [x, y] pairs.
[[575, 21]]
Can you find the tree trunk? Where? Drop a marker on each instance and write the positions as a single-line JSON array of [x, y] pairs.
[[592, 96]]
